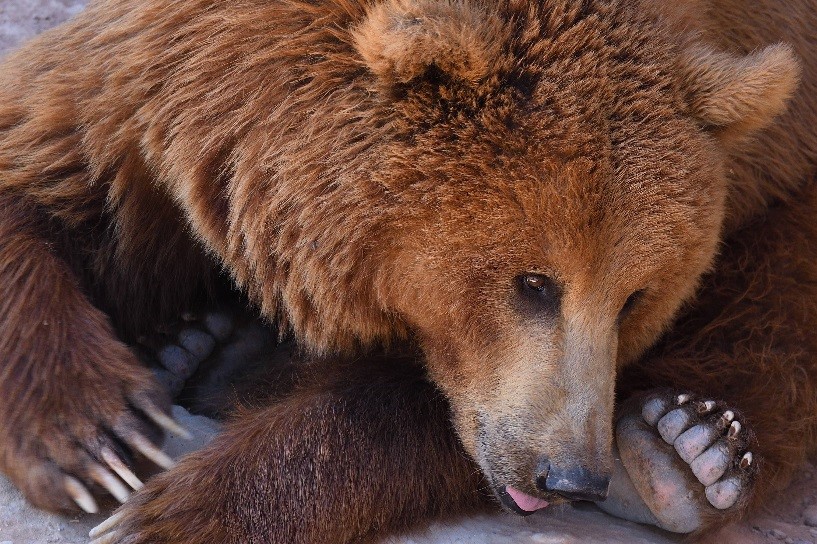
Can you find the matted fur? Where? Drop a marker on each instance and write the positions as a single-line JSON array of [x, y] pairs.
[[374, 173]]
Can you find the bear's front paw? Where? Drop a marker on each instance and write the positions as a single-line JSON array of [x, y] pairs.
[[688, 460], [176, 350], [208, 360], [180, 505], [141, 512], [70, 439]]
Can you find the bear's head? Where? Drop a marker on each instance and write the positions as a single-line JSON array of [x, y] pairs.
[[561, 174]]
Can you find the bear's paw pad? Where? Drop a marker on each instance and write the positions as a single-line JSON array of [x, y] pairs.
[[177, 351], [688, 458]]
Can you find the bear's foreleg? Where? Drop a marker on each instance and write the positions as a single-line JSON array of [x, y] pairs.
[[74, 401], [362, 453]]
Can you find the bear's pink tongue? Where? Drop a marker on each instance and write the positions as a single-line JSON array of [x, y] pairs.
[[525, 501]]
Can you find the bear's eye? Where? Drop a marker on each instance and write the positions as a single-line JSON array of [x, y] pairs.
[[536, 282], [630, 303], [539, 293]]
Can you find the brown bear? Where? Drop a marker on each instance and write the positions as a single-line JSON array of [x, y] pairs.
[[491, 226]]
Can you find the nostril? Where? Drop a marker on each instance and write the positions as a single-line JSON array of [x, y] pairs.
[[542, 470], [573, 483]]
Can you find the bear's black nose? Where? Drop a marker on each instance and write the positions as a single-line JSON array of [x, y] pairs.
[[575, 483]]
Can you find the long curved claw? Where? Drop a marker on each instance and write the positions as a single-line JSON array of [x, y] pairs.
[[80, 494], [164, 421], [116, 464], [106, 525], [110, 482], [146, 448]]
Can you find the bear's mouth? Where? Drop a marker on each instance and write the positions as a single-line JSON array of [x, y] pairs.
[[518, 502]]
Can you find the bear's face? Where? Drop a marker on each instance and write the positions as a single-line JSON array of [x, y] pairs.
[[530, 280], [564, 172]]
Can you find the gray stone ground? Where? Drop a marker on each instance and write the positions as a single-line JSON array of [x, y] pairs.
[[20, 524], [22, 19]]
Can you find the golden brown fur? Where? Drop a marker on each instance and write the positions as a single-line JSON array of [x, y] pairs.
[[372, 173]]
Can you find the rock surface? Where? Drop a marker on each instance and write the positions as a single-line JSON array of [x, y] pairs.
[[22, 19], [784, 522]]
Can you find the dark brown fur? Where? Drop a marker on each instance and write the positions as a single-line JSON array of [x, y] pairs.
[[363, 195], [387, 421]]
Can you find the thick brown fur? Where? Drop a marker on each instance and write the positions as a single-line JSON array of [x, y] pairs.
[[371, 173], [387, 421]]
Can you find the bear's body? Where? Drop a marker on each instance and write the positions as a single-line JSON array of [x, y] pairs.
[[525, 192]]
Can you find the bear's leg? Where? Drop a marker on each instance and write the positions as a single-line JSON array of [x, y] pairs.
[[748, 341], [365, 452], [75, 403]]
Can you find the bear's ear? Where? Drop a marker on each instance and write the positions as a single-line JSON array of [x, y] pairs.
[[401, 39], [732, 95]]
